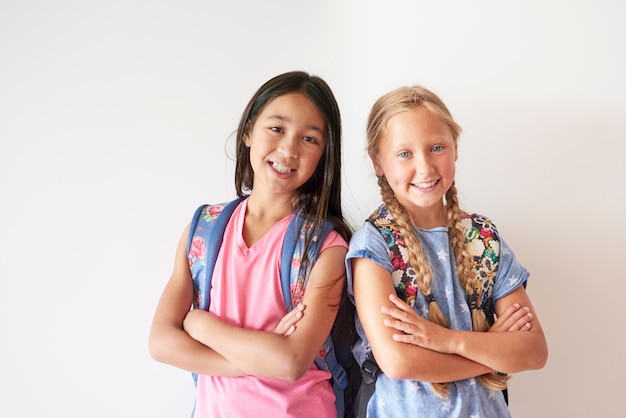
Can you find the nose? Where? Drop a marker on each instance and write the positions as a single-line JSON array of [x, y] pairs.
[[423, 162], [288, 146]]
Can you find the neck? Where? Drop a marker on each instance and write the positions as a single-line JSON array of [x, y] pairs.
[[268, 208], [428, 218]]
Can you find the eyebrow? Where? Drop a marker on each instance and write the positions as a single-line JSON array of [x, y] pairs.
[[288, 120]]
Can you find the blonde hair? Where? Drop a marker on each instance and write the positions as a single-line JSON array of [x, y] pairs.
[[401, 100]]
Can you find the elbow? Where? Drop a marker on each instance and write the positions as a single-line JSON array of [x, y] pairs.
[[535, 360], [393, 367], [541, 359], [156, 349], [292, 368], [294, 375], [294, 372]]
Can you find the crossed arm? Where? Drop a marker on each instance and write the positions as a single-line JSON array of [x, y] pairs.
[[407, 346], [200, 342]]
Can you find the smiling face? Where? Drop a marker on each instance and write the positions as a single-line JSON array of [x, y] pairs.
[[286, 143], [417, 154]]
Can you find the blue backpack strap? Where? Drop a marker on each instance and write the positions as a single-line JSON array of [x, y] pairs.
[[289, 272], [292, 251], [206, 232], [293, 291]]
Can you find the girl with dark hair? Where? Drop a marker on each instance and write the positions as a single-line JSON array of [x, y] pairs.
[[252, 358]]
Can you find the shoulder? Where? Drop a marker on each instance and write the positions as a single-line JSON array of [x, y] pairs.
[[365, 235], [333, 239], [368, 242]]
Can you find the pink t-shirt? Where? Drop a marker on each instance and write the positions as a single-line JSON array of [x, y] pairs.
[[246, 291]]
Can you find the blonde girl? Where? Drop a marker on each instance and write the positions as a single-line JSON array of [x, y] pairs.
[[434, 359]]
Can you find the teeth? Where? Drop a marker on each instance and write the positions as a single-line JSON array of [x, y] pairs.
[[281, 168], [426, 185]]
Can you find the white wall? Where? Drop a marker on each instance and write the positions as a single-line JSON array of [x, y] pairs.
[[114, 118]]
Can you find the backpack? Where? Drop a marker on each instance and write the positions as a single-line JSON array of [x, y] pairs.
[[206, 233], [483, 245]]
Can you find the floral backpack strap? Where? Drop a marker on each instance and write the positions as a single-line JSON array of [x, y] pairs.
[[206, 233], [483, 245], [403, 276]]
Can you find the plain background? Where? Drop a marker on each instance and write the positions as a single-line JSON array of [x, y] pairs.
[[116, 119]]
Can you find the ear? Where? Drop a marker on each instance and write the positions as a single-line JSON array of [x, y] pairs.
[[375, 161], [246, 139]]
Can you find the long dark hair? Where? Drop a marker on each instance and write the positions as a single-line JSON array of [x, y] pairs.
[[320, 196]]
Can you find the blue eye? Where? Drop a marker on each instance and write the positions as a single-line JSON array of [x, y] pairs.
[[437, 148], [404, 154]]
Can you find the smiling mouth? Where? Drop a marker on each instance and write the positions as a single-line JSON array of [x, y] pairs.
[[426, 185], [281, 168]]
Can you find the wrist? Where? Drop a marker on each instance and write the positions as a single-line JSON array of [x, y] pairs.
[[456, 343]]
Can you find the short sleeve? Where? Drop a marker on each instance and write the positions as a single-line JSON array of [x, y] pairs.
[[511, 274], [367, 242]]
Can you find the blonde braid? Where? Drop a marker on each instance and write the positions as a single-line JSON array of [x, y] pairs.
[[470, 283], [463, 260], [417, 261]]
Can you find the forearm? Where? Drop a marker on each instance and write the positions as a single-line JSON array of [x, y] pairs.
[[506, 352], [404, 361], [258, 353], [175, 347]]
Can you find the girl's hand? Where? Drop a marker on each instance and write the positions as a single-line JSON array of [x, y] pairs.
[[287, 324], [415, 329], [514, 318]]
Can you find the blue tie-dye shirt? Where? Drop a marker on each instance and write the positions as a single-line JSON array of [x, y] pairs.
[[408, 398]]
